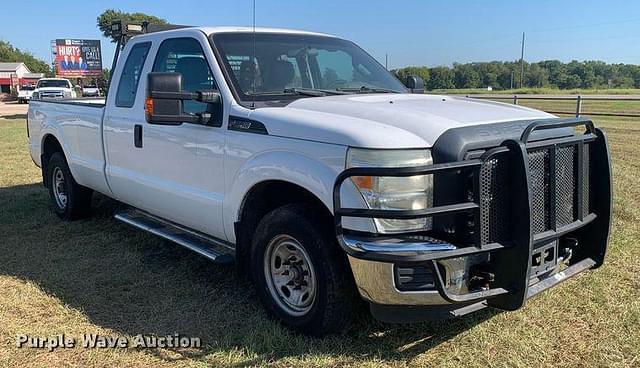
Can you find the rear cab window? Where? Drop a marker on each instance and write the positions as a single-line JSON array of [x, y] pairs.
[[131, 73]]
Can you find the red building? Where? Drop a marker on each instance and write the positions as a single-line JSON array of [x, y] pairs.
[[14, 74]]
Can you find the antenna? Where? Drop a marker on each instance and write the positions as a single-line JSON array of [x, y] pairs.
[[522, 63], [253, 59]]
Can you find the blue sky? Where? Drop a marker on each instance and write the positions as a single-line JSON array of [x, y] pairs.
[[412, 32]]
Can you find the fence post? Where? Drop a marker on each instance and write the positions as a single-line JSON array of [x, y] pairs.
[[578, 106], [515, 99]]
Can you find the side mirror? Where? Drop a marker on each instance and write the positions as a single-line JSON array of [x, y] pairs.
[[164, 102], [415, 84]]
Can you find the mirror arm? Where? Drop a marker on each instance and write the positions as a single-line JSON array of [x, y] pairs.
[[160, 95], [200, 96], [212, 97]]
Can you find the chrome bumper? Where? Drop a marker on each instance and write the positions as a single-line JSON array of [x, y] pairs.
[[376, 284], [372, 263]]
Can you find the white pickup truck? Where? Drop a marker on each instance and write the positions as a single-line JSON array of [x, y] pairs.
[[53, 88], [25, 93], [299, 157]]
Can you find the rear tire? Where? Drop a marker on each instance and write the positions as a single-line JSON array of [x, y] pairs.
[[69, 199], [300, 274]]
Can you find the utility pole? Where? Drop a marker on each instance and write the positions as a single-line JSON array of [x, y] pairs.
[[522, 63]]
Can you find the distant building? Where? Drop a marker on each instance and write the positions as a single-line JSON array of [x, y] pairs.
[[14, 74]]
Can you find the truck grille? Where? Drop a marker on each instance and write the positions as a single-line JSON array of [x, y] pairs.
[[52, 95], [549, 167]]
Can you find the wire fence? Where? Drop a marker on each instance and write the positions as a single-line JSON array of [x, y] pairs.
[[629, 106]]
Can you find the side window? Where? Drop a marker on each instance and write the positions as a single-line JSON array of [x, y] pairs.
[[185, 56], [128, 86]]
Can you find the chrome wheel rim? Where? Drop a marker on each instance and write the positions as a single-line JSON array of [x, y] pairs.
[[59, 188], [290, 275]]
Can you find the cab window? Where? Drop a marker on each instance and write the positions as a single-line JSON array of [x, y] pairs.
[[128, 86]]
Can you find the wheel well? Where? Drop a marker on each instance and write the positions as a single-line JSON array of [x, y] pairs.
[[263, 198], [50, 145]]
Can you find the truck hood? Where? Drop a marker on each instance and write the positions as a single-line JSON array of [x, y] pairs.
[[385, 120]]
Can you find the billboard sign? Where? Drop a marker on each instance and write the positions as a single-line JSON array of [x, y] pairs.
[[78, 58]]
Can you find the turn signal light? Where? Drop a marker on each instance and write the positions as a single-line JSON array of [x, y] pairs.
[[148, 106], [363, 182]]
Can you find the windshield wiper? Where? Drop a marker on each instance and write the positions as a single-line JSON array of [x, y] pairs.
[[312, 91], [365, 89], [300, 91]]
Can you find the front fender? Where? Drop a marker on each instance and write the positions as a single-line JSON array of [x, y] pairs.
[[315, 174]]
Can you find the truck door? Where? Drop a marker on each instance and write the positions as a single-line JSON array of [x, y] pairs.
[[163, 169]]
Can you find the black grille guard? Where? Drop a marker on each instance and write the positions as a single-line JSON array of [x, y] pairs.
[[511, 260]]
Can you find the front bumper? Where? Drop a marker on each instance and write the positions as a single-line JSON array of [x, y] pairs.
[[510, 261]]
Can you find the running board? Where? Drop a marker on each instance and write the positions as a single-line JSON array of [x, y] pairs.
[[214, 249]]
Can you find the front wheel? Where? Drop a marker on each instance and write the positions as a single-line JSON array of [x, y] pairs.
[[300, 274]]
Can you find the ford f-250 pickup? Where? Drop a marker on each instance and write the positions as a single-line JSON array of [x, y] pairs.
[[299, 157]]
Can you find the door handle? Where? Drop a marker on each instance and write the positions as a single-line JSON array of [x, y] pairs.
[[137, 135]]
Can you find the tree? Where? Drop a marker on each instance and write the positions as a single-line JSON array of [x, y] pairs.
[[103, 81], [440, 77], [536, 76], [109, 16], [623, 82], [571, 81], [9, 53], [466, 76]]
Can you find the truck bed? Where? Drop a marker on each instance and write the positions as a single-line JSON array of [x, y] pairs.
[[77, 126]]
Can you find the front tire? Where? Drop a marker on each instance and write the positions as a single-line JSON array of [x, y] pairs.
[[69, 199], [300, 274]]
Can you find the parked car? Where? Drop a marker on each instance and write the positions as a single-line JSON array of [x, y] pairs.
[[90, 90], [54, 88], [24, 93], [299, 157]]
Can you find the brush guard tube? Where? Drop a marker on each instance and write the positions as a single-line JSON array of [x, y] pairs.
[[510, 260]]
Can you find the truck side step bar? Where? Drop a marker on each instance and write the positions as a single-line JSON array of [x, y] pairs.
[[216, 250]]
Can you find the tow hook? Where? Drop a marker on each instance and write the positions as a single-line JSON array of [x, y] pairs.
[[480, 278], [566, 249]]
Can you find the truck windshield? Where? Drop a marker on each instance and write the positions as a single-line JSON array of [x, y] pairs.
[[285, 65], [53, 83]]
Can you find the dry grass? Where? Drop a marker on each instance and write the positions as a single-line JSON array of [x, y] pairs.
[[100, 276]]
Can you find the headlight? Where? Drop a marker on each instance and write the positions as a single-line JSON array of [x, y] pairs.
[[394, 193], [67, 94]]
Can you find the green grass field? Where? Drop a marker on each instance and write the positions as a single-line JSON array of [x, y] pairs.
[[98, 276]]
